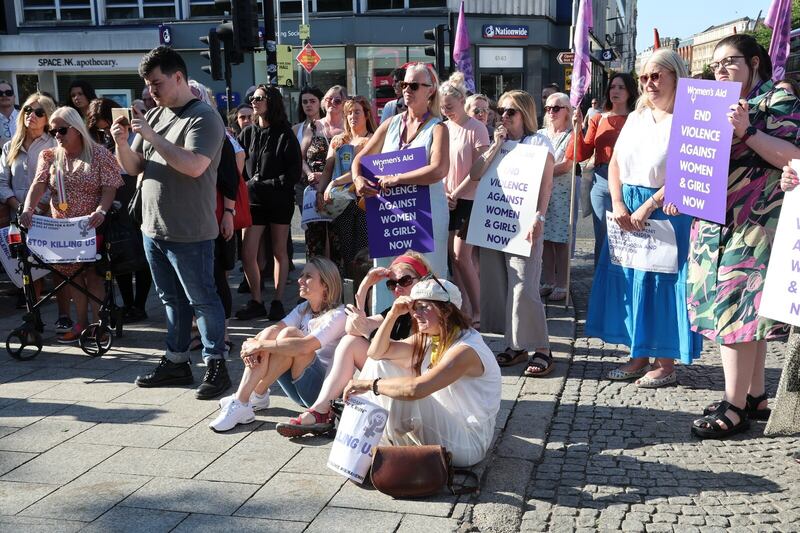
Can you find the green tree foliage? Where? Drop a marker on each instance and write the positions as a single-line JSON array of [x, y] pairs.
[[763, 34]]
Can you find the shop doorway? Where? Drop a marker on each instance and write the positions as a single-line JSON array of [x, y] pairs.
[[493, 83]]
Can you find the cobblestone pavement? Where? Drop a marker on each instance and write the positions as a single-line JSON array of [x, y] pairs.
[[81, 448]]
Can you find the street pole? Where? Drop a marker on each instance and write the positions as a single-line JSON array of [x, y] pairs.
[[268, 8], [305, 77]]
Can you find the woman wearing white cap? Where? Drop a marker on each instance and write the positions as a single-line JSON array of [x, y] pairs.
[[442, 384]]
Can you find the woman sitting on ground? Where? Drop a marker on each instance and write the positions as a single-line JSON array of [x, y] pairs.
[[442, 384], [351, 353], [295, 352]]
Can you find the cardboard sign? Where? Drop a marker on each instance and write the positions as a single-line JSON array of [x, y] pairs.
[[781, 299], [655, 249], [310, 213], [359, 430], [699, 148], [506, 199], [399, 218], [12, 265], [62, 240]]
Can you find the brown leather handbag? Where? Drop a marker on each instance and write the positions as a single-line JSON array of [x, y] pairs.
[[416, 471]]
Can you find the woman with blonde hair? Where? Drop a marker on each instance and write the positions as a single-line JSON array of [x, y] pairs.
[[87, 176], [296, 352], [523, 323], [419, 126], [643, 309], [555, 261], [479, 107], [468, 140]]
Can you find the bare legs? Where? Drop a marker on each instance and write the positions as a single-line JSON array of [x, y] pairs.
[[94, 284], [743, 365], [279, 233], [250, 243], [467, 269], [351, 353], [555, 262]]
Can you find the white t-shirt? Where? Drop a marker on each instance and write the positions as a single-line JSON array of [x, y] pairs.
[[328, 328], [641, 149], [537, 139]]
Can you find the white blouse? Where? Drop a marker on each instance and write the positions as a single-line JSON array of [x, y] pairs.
[[641, 149]]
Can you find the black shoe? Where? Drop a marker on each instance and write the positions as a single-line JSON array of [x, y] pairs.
[[132, 315], [276, 311], [215, 382], [244, 287], [251, 310], [167, 374]]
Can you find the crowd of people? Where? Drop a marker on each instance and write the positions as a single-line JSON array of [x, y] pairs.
[[413, 330]]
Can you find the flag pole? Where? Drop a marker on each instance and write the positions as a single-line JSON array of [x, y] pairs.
[[571, 226]]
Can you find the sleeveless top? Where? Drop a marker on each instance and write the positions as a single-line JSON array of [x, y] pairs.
[[317, 151]]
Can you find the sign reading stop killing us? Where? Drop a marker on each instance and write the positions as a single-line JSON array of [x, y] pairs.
[[399, 218], [700, 146], [781, 298], [505, 202], [62, 240]]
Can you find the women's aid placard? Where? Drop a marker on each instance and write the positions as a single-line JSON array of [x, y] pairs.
[[360, 430], [654, 249], [505, 202]]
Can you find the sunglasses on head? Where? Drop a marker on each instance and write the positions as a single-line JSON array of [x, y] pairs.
[[414, 85], [254, 99], [59, 131], [553, 108], [644, 78], [39, 112], [404, 282], [506, 111], [9, 92]]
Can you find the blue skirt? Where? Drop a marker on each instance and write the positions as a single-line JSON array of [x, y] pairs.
[[645, 311]]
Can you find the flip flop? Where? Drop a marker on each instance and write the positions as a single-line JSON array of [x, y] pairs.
[[511, 357]]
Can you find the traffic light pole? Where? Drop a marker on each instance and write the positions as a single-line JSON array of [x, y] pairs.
[[228, 81], [305, 77], [268, 8]]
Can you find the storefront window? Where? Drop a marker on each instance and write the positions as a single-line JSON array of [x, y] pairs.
[[51, 11], [334, 6], [373, 5], [294, 7], [416, 4], [205, 8], [136, 9]]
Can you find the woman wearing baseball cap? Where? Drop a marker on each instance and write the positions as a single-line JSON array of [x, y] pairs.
[[442, 384]]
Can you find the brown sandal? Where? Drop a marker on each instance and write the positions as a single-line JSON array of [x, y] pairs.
[[511, 357], [541, 362]]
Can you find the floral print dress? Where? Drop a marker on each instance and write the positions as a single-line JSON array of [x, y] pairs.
[[728, 263]]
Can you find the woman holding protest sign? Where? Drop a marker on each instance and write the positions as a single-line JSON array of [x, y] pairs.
[[468, 140], [419, 126], [524, 323], [638, 305], [296, 352], [601, 136], [82, 178], [728, 262], [402, 275], [555, 258], [441, 385]]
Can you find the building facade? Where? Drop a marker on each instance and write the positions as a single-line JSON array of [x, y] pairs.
[[703, 43]]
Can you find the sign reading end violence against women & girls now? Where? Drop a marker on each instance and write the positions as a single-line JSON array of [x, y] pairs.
[[62, 240], [781, 297], [700, 146], [505, 202], [399, 218]]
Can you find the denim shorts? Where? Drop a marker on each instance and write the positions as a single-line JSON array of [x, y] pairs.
[[305, 389]]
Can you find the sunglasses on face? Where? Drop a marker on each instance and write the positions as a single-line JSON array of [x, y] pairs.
[[39, 112], [59, 131], [254, 99], [480, 111], [404, 282], [421, 308], [414, 85], [335, 101], [506, 111], [654, 76], [724, 63], [553, 108], [9, 92]]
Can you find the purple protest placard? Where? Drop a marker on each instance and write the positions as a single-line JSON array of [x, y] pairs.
[[700, 147], [399, 219]]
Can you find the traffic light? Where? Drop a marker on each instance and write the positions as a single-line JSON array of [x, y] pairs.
[[212, 54], [227, 35], [437, 50], [245, 24]]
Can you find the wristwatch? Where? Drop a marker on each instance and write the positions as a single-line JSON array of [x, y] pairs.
[[230, 210], [749, 132], [101, 211], [539, 217]]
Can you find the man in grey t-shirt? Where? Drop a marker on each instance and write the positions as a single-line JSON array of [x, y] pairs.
[[177, 150]]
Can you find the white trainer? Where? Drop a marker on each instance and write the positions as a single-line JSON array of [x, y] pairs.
[[231, 415], [258, 403]]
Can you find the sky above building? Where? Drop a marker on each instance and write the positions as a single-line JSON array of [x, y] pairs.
[[682, 18]]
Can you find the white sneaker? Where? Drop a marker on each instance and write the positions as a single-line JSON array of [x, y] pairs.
[[258, 403], [232, 414]]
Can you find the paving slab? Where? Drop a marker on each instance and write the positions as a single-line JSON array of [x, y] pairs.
[[14, 497], [292, 497], [87, 497], [129, 520], [310, 461], [85, 392], [26, 412], [191, 496], [28, 524], [255, 459], [413, 523], [62, 464], [203, 523], [106, 412], [11, 460], [355, 496], [157, 462], [338, 520], [137, 435], [201, 439], [43, 435]]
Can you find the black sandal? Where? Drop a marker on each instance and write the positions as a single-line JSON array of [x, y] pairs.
[[753, 412], [708, 427], [511, 357], [542, 362]]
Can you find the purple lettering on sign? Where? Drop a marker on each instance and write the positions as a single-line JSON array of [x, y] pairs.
[[700, 147], [399, 218]]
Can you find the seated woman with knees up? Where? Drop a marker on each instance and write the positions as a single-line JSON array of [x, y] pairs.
[[351, 353], [442, 384], [295, 352]]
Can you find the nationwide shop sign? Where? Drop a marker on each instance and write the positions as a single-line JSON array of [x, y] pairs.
[[699, 148], [504, 31]]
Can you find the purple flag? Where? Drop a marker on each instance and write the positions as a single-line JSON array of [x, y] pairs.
[[461, 55], [779, 18], [582, 67]]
